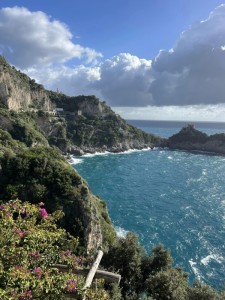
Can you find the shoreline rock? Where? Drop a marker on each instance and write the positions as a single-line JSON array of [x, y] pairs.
[[191, 139]]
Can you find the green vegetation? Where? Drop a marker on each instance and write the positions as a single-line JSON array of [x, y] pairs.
[[152, 276], [22, 127], [30, 243], [42, 174], [33, 169]]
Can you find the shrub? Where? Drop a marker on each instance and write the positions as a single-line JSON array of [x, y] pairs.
[[30, 243]]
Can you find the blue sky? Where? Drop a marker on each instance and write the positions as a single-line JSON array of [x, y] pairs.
[[114, 49]]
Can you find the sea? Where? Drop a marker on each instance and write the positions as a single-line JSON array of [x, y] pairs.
[[176, 198]]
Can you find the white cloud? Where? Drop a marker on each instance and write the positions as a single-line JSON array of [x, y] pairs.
[[125, 80], [33, 39], [70, 81], [121, 80], [185, 82], [191, 73], [194, 71]]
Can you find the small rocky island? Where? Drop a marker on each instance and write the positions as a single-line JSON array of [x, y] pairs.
[[191, 139]]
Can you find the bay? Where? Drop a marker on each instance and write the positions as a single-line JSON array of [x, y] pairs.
[[171, 197]]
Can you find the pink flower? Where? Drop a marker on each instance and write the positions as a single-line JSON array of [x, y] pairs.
[[38, 272], [71, 286], [41, 204], [43, 213], [2, 207]]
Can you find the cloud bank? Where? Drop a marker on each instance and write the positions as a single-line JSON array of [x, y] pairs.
[[193, 72], [34, 39], [189, 74]]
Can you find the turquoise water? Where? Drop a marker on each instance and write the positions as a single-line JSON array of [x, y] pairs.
[[173, 197]]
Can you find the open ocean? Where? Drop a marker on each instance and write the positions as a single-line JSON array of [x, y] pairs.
[[171, 197]]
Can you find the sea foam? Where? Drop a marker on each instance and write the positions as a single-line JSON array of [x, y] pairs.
[[121, 232], [195, 269], [210, 257]]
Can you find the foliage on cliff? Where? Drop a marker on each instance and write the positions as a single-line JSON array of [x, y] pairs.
[[66, 122], [30, 243], [41, 174], [22, 127], [153, 276]]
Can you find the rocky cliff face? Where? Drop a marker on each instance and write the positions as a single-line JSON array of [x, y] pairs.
[[81, 123], [192, 139], [20, 93]]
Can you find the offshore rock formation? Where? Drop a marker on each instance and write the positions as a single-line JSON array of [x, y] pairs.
[[192, 139]]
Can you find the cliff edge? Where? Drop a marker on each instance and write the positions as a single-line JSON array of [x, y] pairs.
[[73, 124]]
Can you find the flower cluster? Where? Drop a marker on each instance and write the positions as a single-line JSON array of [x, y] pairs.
[[29, 246], [43, 213], [38, 271], [27, 263], [71, 286]]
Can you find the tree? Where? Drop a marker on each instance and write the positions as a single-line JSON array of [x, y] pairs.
[[170, 284]]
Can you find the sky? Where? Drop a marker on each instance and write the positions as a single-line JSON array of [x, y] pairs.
[[148, 59]]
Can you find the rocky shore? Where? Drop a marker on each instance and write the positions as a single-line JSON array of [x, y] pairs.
[[79, 151], [191, 139]]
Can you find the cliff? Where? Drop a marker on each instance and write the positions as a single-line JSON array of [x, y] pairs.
[[32, 122], [42, 175], [192, 139], [73, 124], [20, 93]]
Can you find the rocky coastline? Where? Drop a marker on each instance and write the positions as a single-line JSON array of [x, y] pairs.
[[191, 139], [80, 151]]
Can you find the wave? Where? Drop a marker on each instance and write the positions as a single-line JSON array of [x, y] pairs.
[[118, 153], [195, 269], [121, 232], [96, 154], [134, 150], [74, 160], [210, 257]]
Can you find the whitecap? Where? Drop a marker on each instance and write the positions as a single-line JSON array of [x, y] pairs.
[[210, 257], [134, 150], [116, 153], [195, 269], [204, 172], [76, 161], [96, 154], [169, 157], [121, 232]]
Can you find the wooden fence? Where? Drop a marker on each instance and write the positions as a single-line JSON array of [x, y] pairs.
[[91, 274]]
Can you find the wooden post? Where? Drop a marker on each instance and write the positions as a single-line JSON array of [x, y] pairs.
[[93, 270]]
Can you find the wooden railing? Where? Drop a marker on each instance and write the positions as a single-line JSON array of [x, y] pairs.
[[91, 274]]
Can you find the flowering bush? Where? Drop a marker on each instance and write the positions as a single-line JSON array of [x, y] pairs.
[[30, 243]]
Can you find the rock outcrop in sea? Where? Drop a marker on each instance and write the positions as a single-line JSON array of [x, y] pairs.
[[191, 139]]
